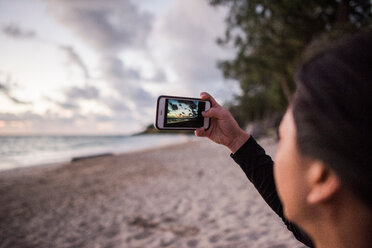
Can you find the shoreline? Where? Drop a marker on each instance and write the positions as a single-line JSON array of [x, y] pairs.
[[185, 195], [52, 166], [68, 159]]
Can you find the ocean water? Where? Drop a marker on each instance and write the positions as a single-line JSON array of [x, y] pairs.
[[23, 151]]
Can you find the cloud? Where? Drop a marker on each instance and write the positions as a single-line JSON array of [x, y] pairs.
[[114, 71], [87, 92], [68, 105], [184, 39], [116, 105], [110, 27], [74, 94], [15, 31], [6, 87], [125, 81], [74, 58], [177, 46], [64, 104], [53, 122], [107, 25]]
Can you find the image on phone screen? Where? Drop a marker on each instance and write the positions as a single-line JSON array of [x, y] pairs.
[[184, 113]]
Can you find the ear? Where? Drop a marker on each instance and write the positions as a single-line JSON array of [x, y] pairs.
[[323, 183]]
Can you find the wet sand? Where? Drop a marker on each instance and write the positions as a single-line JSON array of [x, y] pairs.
[[187, 195]]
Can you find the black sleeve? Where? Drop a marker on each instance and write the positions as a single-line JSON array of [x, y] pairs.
[[259, 169]]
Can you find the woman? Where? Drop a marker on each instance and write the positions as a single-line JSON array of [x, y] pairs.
[[323, 169]]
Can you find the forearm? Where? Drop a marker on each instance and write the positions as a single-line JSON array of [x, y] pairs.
[[259, 169]]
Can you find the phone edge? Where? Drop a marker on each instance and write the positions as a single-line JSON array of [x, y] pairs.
[[157, 111]]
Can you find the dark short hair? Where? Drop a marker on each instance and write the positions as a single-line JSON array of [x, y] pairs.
[[332, 109]]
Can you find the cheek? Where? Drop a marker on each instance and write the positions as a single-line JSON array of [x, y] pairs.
[[287, 180], [282, 173]]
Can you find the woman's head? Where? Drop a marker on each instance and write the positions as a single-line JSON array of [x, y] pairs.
[[331, 117], [332, 109]]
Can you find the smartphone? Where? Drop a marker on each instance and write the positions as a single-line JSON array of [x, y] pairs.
[[181, 113]]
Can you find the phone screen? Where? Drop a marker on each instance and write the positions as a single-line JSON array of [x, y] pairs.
[[184, 113]]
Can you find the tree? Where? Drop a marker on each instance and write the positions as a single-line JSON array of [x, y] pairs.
[[270, 37]]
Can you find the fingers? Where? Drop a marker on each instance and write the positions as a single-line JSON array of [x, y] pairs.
[[200, 132], [206, 96], [213, 113]]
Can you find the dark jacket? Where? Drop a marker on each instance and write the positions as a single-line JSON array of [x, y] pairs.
[[259, 169]]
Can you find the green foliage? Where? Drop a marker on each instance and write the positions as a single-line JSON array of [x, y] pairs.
[[270, 36]]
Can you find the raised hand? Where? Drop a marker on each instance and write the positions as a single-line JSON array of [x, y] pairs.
[[223, 128]]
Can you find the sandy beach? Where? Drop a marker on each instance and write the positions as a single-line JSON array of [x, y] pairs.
[[186, 195]]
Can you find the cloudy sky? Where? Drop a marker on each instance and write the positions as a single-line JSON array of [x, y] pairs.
[[97, 67]]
